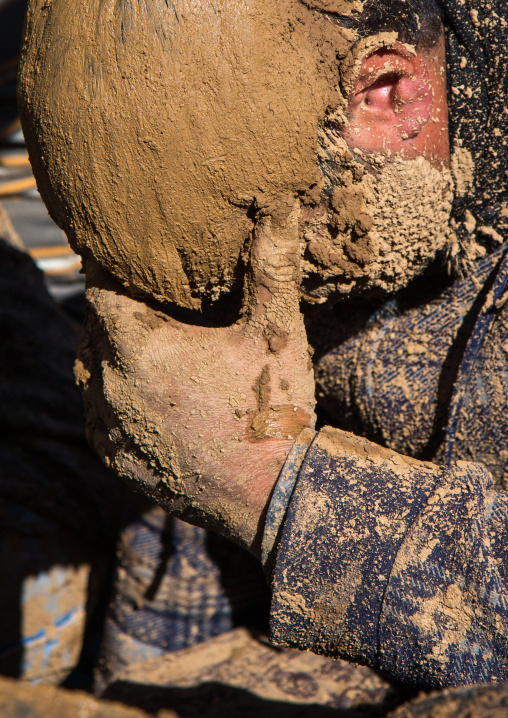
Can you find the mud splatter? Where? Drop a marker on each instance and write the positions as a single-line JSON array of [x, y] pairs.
[[376, 231], [283, 422]]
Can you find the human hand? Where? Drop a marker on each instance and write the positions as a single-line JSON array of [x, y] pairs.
[[202, 418]]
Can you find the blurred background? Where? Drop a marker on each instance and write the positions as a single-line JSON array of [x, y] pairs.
[[46, 243]]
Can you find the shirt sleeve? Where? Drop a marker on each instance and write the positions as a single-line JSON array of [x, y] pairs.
[[394, 563]]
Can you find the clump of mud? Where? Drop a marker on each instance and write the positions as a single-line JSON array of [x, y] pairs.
[[157, 130], [489, 701], [19, 698], [381, 221]]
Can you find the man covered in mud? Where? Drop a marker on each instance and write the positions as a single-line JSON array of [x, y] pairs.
[[395, 562]]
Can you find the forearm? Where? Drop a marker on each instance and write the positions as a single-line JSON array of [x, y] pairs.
[[394, 563]]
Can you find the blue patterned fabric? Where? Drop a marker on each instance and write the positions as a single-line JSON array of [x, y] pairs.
[[396, 564], [396, 380], [178, 585], [468, 369]]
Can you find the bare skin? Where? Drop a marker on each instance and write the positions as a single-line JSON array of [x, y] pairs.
[[203, 418], [398, 105]]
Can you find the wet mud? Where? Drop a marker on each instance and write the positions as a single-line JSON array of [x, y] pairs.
[[157, 132]]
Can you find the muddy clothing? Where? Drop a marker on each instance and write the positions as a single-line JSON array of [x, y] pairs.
[[429, 380], [477, 63], [398, 564], [395, 564]]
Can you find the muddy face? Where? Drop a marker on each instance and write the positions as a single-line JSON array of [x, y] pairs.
[[158, 130]]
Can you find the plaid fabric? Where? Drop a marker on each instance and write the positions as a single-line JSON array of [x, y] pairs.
[[178, 585]]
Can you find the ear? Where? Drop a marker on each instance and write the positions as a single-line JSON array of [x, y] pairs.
[[391, 103]]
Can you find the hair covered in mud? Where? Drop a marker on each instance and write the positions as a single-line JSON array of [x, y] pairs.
[[156, 130]]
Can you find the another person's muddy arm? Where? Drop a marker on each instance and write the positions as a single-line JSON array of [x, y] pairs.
[[392, 562]]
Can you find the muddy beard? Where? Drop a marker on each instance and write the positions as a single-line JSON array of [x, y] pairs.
[[382, 223]]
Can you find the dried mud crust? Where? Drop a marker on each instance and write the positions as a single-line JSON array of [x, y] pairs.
[[23, 700], [167, 197], [385, 223], [241, 674], [155, 169], [480, 701]]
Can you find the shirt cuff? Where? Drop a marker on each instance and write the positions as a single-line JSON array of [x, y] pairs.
[[281, 497]]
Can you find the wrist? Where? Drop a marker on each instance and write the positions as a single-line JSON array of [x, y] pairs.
[[254, 470]]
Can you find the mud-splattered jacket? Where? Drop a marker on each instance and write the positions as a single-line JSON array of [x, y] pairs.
[[399, 564], [389, 561]]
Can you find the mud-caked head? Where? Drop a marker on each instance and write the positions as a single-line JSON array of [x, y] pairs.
[[157, 130]]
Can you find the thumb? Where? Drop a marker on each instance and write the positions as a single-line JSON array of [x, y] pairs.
[[272, 295]]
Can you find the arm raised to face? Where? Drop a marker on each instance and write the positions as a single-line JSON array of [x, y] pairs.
[[202, 417]]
